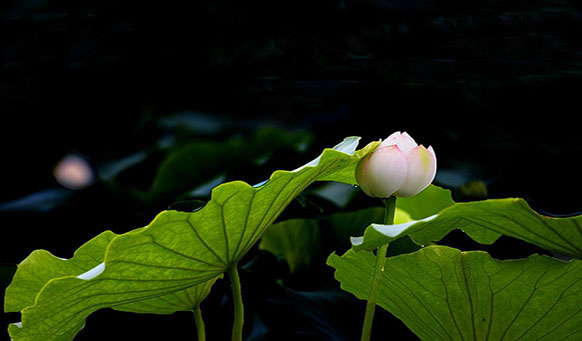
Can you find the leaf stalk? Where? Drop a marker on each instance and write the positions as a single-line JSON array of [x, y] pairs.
[[200, 328], [237, 324], [389, 209]]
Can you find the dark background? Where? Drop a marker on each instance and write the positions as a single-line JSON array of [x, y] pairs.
[[494, 86]]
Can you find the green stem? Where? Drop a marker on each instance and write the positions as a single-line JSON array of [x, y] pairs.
[[389, 209], [200, 329], [237, 325]]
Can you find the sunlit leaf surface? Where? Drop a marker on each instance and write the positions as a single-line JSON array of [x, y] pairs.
[[441, 293]]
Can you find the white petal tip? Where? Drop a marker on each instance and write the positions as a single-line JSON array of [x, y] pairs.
[[357, 240]]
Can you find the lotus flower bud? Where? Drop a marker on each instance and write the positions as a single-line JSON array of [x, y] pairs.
[[399, 167]]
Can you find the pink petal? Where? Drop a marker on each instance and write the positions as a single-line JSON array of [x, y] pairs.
[[386, 171], [404, 141], [362, 174], [421, 171]]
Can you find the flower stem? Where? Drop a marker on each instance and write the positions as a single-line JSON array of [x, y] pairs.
[[389, 209], [237, 325], [200, 329]]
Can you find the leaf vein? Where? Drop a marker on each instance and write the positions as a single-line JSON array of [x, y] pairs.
[[245, 226], [184, 255], [530, 296], [206, 244], [404, 287]]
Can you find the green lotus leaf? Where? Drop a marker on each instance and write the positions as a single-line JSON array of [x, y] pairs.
[[441, 293], [485, 221], [175, 252]]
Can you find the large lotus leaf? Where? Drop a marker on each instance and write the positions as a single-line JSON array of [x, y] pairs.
[[441, 293], [176, 251], [485, 221]]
